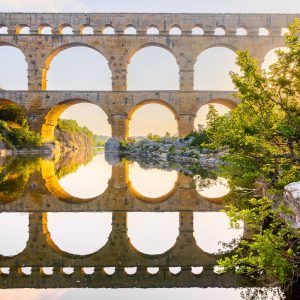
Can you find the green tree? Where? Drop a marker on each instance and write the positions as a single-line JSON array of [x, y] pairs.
[[262, 135]]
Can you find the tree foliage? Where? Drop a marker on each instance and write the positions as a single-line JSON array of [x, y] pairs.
[[262, 135]]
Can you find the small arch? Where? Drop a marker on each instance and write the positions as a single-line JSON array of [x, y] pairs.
[[220, 31], [87, 29], [3, 29], [241, 31], [130, 30], [284, 30], [45, 29], [197, 30], [108, 30], [153, 30], [22, 29], [65, 29], [65, 232], [153, 233], [263, 31], [175, 30]]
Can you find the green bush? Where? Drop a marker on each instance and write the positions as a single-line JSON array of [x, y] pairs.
[[13, 113], [24, 138], [199, 137]]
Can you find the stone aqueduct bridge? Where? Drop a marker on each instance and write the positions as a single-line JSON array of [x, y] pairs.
[[44, 107]]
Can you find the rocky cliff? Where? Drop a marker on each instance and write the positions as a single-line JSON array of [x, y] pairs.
[[72, 141]]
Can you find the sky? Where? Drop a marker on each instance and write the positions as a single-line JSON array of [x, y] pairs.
[[72, 68]]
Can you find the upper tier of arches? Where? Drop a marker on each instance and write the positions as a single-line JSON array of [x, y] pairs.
[[165, 23]]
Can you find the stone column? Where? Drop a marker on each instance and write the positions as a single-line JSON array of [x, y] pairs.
[[35, 69], [185, 123], [119, 175], [186, 73], [119, 125], [118, 68]]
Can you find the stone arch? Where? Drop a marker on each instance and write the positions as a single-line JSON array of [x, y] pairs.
[[130, 29], [58, 50], [270, 57], [153, 246], [25, 75], [10, 223], [43, 26], [53, 185], [63, 26], [202, 110], [86, 27], [20, 27], [52, 116], [153, 51], [150, 101], [133, 191], [54, 243], [150, 44], [218, 60]]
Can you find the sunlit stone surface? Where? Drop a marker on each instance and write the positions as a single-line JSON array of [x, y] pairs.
[[13, 233]]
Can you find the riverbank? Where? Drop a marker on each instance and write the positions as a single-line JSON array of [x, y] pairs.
[[175, 150]]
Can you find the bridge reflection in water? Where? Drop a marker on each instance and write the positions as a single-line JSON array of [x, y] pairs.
[[121, 236]]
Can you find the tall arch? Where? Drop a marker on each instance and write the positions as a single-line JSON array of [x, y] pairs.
[[151, 232], [13, 72], [153, 67], [14, 233], [159, 118], [211, 70], [70, 70], [222, 106], [77, 234], [51, 118], [271, 57]]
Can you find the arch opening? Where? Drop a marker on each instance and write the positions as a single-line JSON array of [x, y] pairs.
[[108, 30], [78, 110], [22, 29], [271, 57], [263, 31], [153, 67], [13, 74], [211, 229], [3, 30], [284, 30], [153, 30], [66, 29], [222, 106], [212, 68], [130, 30], [87, 30], [220, 31], [175, 30], [68, 68], [197, 30], [152, 116], [45, 29], [145, 184], [151, 232], [77, 233], [241, 31], [14, 233]]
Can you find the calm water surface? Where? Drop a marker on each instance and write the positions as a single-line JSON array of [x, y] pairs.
[[121, 230]]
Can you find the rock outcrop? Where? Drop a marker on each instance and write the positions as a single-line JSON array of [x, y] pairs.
[[291, 199]]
